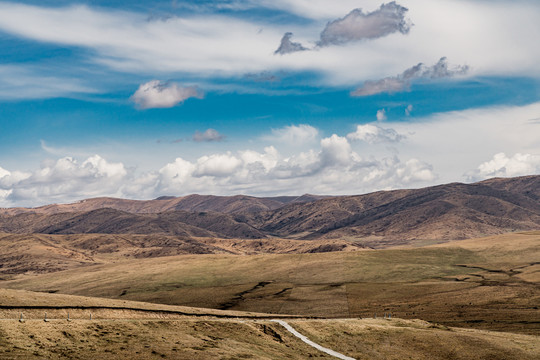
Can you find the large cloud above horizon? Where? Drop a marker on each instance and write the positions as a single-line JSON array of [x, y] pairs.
[[333, 168]]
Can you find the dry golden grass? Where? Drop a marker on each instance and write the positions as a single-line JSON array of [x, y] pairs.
[[43, 253], [488, 283], [211, 338], [34, 305], [415, 339]]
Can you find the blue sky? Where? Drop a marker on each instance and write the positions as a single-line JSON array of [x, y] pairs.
[[141, 99]]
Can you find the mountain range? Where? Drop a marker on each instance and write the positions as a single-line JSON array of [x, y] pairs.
[[380, 219]]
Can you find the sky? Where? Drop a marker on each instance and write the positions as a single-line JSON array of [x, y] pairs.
[[140, 99]]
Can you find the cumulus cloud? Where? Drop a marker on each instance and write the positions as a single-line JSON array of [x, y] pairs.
[[217, 165], [336, 150], [392, 171], [331, 168], [373, 134], [403, 81], [65, 179], [159, 94], [288, 46], [381, 115], [357, 25], [503, 166], [294, 134], [208, 135], [4, 172]]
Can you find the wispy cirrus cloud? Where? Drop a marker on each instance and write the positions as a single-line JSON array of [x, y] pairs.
[[32, 82]]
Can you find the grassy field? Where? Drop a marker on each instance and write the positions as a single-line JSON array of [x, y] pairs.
[[489, 283], [210, 338]]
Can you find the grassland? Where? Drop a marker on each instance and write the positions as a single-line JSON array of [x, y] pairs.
[[211, 338], [488, 283]]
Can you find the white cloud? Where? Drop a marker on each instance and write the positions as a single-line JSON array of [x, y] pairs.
[[294, 134], [4, 193], [173, 176], [265, 161], [315, 9], [4, 172], [503, 166], [65, 179], [494, 38], [158, 94], [381, 115], [208, 135], [31, 82], [456, 142], [373, 134], [217, 165], [391, 171], [335, 151], [333, 168]]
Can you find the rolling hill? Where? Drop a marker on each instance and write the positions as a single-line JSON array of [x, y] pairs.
[[380, 219], [195, 203], [445, 212]]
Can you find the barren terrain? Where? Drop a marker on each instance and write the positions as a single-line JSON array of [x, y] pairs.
[[487, 283]]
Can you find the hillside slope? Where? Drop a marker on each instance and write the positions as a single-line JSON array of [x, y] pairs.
[[380, 219], [444, 212], [196, 203]]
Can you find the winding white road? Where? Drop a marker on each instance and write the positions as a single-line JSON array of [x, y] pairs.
[[309, 342]]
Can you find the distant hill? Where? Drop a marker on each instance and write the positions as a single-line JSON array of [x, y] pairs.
[[224, 204], [444, 212]]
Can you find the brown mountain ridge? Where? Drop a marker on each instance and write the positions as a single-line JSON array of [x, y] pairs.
[[443, 212]]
